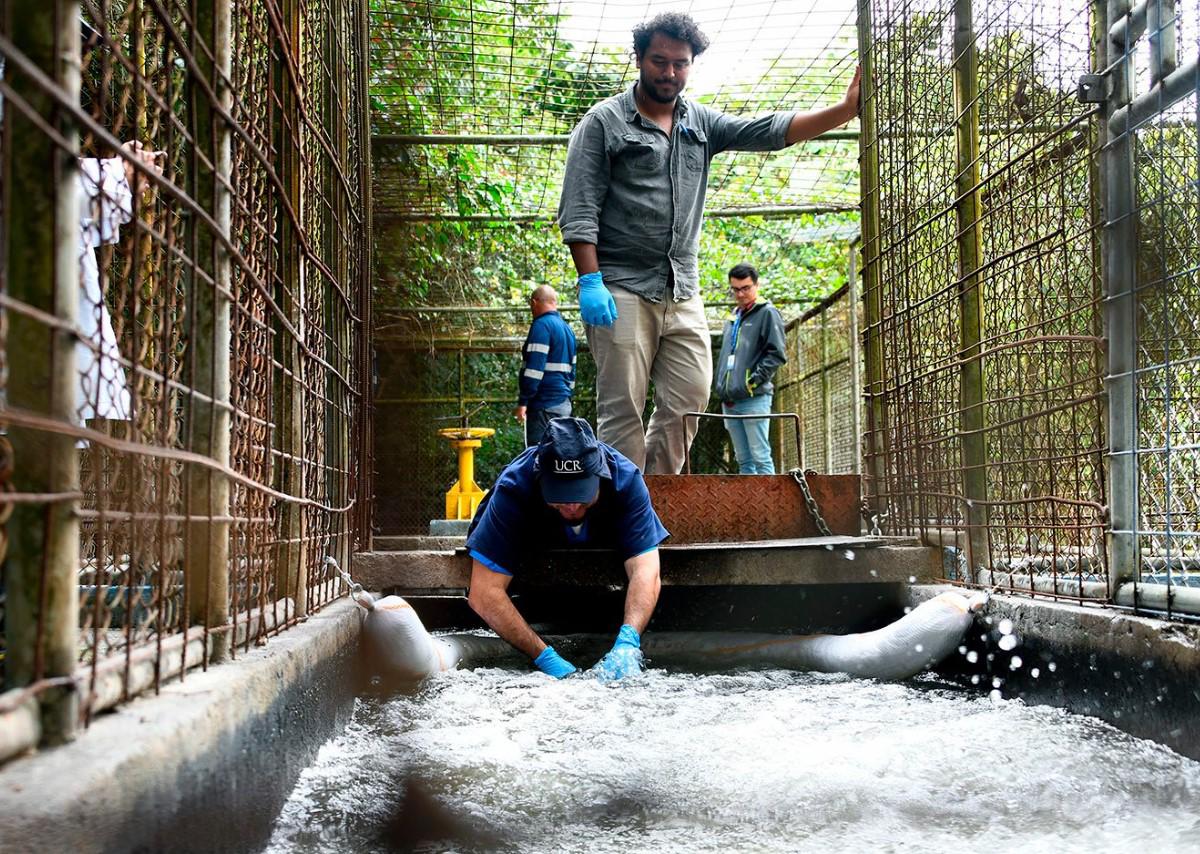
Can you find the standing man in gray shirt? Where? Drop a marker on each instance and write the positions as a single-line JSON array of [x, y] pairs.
[[631, 207]]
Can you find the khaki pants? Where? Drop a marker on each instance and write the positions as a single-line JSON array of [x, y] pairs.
[[668, 343]]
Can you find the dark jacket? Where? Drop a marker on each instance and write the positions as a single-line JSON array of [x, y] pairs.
[[758, 351], [548, 373]]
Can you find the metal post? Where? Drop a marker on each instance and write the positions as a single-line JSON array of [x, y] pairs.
[[826, 403], [366, 440], [970, 301], [291, 580], [209, 432], [855, 358], [1119, 274], [42, 218], [877, 420]]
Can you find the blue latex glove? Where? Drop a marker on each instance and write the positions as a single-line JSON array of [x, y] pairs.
[[596, 304], [624, 659], [550, 662]]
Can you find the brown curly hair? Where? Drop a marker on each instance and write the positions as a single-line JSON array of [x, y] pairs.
[[676, 25]]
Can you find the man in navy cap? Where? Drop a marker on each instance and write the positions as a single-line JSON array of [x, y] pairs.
[[569, 491]]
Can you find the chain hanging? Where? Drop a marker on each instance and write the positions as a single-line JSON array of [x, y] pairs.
[[811, 503]]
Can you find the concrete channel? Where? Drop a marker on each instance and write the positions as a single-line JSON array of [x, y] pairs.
[[207, 764]]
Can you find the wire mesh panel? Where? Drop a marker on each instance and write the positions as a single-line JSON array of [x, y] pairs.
[[1041, 295], [821, 383], [993, 410], [186, 392], [913, 439], [988, 324]]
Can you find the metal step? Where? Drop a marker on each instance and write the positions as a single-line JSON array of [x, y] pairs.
[[796, 561]]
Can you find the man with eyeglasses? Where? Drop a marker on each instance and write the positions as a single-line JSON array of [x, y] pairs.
[[751, 351], [631, 208]]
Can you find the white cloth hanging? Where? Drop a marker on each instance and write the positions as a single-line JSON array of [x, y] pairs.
[[105, 203]]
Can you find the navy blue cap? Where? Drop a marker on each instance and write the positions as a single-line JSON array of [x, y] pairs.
[[570, 462]]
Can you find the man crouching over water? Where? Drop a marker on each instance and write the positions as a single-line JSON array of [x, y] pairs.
[[570, 491]]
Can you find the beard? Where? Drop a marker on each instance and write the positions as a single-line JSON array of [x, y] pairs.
[[658, 95]]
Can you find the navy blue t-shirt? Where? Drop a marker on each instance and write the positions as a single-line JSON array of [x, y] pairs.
[[514, 520]]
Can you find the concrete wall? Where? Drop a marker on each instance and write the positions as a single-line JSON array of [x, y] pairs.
[[204, 766], [1139, 674]]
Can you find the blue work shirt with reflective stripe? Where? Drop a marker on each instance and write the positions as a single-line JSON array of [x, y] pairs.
[[548, 372], [514, 523]]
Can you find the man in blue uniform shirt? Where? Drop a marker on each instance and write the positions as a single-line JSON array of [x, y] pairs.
[[548, 371], [569, 491]]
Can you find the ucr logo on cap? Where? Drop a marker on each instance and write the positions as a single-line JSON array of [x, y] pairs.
[[568, 467]]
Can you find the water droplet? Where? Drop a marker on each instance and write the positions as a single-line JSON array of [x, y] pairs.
[[919, 648], [1052, 667], [829, 547], [987, 620], [912, 579], [848, 555], [1008, 642], [997, 681], [975, 679], [908, 609], [972, 656], [962, 650], [995, 696], [1015, 664], [1006, 626], [874, 574], [1035, 673]]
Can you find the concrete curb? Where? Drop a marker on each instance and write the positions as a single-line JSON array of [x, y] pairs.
[[204, 766]]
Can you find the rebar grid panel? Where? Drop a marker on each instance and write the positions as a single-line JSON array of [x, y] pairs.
[[1166, 156], [1041, 323], [184, 287], [915, 451]]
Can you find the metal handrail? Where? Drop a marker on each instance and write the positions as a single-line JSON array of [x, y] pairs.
[[687, 457]]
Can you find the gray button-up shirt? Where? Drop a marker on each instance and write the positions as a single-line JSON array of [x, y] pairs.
[[638, 195]]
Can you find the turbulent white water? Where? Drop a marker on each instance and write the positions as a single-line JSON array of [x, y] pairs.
[[763, 761]]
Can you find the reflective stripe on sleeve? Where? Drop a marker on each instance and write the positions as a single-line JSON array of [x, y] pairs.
[[537, 348], [532, 374], [560, 367]]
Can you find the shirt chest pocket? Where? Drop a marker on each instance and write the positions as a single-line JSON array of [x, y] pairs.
[[695, 147], [638, 153]]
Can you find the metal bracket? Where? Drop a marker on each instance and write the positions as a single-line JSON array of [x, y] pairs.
[[1094, 89]]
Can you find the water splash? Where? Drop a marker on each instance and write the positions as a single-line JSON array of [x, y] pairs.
[[768, 761]]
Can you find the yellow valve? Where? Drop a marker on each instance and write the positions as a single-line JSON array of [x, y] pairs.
[[465, 495]]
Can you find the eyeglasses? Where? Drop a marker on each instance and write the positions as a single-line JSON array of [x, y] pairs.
[[740, 290]]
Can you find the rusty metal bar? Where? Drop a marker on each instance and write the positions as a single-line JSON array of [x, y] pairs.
[[292, 551], [43, 271], [207, 553], [519, 139], [876, 450], [855, 354], [970, 299]]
